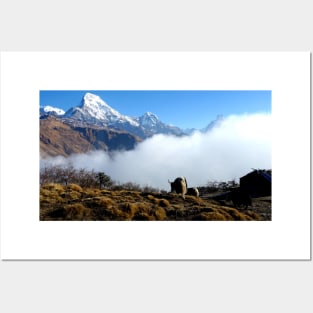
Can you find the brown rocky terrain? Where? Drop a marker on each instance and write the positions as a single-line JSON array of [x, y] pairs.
[[60, 138]]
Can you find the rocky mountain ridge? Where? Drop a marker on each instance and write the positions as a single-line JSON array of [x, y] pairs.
[[94, 125], [93, 111], [60, 138]]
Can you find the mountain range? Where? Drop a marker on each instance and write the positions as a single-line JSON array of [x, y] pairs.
[[94, 125], [94, 111]]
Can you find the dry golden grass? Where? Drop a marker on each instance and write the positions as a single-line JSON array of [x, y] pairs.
[[210, 216], [58, 202], [159, 201], [164, 203], [75, 187], [160, 214], [77, 212], [54, 187]]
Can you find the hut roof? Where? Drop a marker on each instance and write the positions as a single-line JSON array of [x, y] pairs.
[[267, 174]]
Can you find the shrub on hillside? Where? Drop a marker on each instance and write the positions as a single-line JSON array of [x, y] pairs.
[[69, 175]]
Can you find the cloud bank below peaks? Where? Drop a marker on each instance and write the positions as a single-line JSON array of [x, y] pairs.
[[228, 151]]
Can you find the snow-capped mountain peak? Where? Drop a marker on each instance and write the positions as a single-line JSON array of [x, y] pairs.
[[51, 110], [149, 120], [95, 111], [217, 122], [97, 108]]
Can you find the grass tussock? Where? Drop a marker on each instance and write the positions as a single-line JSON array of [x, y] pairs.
[[210, 216], [77, 212], [75, 187], [54, 187], [160, 214], [73, 202]]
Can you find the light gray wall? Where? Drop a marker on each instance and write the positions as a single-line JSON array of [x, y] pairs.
[[253, 286]]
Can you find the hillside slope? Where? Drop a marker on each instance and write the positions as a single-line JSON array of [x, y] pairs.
[[58, 202], [59, 138]]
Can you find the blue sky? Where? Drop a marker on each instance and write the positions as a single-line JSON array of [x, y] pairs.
[[182, 108]]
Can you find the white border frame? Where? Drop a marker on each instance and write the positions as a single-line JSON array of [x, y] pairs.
[[286, 237]]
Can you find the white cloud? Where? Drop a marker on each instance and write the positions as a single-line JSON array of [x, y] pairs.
[[226, 152]]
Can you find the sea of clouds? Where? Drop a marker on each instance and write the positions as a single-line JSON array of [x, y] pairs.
[[228, 151]]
